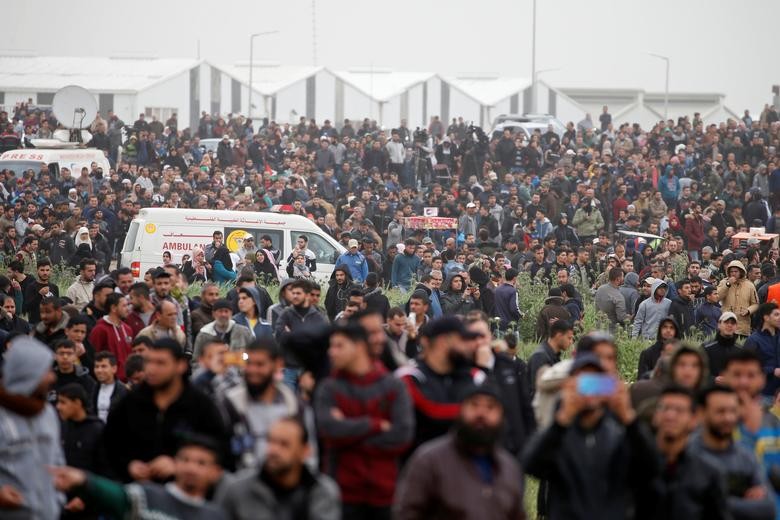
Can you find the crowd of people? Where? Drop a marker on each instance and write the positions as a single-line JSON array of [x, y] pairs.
[[122, 397]]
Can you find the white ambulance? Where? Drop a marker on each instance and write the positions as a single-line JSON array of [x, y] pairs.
[[178, 231], [19, 161]]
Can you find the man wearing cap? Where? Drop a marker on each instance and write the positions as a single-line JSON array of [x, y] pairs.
[[440, 480], [724, 345], [354, 260], [30, 438], [596, 452], [552, 311], [467, 223], [223, 329], [247, 249], [430, 246], [441, 378]]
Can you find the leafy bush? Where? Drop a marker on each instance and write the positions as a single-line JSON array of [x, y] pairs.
[[531, 298]]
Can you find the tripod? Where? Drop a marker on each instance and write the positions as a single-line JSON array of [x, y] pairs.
[[420, 165]]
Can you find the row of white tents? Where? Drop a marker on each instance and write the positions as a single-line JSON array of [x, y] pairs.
[[188, 87]]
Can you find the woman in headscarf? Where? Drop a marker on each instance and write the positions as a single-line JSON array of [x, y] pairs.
[[222, 266], [265, 268], [194, 269], [84, 249]]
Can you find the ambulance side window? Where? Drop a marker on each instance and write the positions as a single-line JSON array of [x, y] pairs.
[[54, 170], [322, 249]]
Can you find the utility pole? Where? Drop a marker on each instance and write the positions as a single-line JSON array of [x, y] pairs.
[[533, 59], [666, 90], [313, 33], [252, 65]]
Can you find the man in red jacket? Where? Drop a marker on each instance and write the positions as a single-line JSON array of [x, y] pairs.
[[112, 334], [694, 231], [365, 418]]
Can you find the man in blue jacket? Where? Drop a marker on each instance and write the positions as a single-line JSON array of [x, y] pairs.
[[355, 262], [764, 342], [669, 186], [506, 304], [405, 266]]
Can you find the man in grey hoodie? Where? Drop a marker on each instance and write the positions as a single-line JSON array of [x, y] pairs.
[[651, 311], [629, 291], [29, 434]]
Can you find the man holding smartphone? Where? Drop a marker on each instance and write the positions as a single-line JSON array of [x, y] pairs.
[[595, 450]]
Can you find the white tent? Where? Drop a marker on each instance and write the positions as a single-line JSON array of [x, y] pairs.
[[384, 95], [126, 85], [285, 92], [481, 98], [634, 105]]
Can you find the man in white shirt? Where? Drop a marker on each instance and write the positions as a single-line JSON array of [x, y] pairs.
[[396, 152], [80, 291], [110, 390]]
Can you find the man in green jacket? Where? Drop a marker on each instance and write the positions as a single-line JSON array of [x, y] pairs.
[[196, 470], [588, 220]]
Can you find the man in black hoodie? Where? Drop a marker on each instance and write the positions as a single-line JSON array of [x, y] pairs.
[[510, 380], [668, 330], [81, 432], [596, 455], [143, 431], [682, 309], [339, 288], [720, 349], [375, 300]]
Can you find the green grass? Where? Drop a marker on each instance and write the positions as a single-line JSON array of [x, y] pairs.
[[531, 298]]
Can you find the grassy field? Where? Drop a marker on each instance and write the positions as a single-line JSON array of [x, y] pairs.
[[531, 298]]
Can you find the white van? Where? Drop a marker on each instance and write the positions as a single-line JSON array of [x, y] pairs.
[[19, 161], [178, 231]]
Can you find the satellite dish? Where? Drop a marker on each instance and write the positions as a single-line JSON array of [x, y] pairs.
[[74, 107]]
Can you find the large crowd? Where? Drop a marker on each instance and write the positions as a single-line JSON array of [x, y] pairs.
[[262, 397]]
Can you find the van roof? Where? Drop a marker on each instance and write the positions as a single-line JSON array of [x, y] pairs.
[[228, 218], [37, 153]]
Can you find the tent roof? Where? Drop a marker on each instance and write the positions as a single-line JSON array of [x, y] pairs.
[[268, 78], [488, 91], [119, 74], [382, 84]]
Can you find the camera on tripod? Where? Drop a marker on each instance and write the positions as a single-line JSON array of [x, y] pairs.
[[420, 135]]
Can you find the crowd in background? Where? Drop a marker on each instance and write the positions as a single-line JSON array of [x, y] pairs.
[[238, 404]]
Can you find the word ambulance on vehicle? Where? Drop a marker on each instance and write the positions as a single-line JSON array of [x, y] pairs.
[[177, 231]]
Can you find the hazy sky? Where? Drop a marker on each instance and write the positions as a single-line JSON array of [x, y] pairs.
[[714, 45]]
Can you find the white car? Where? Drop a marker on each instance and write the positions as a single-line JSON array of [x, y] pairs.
[[526, 129], [529, 121], [211, 144]]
